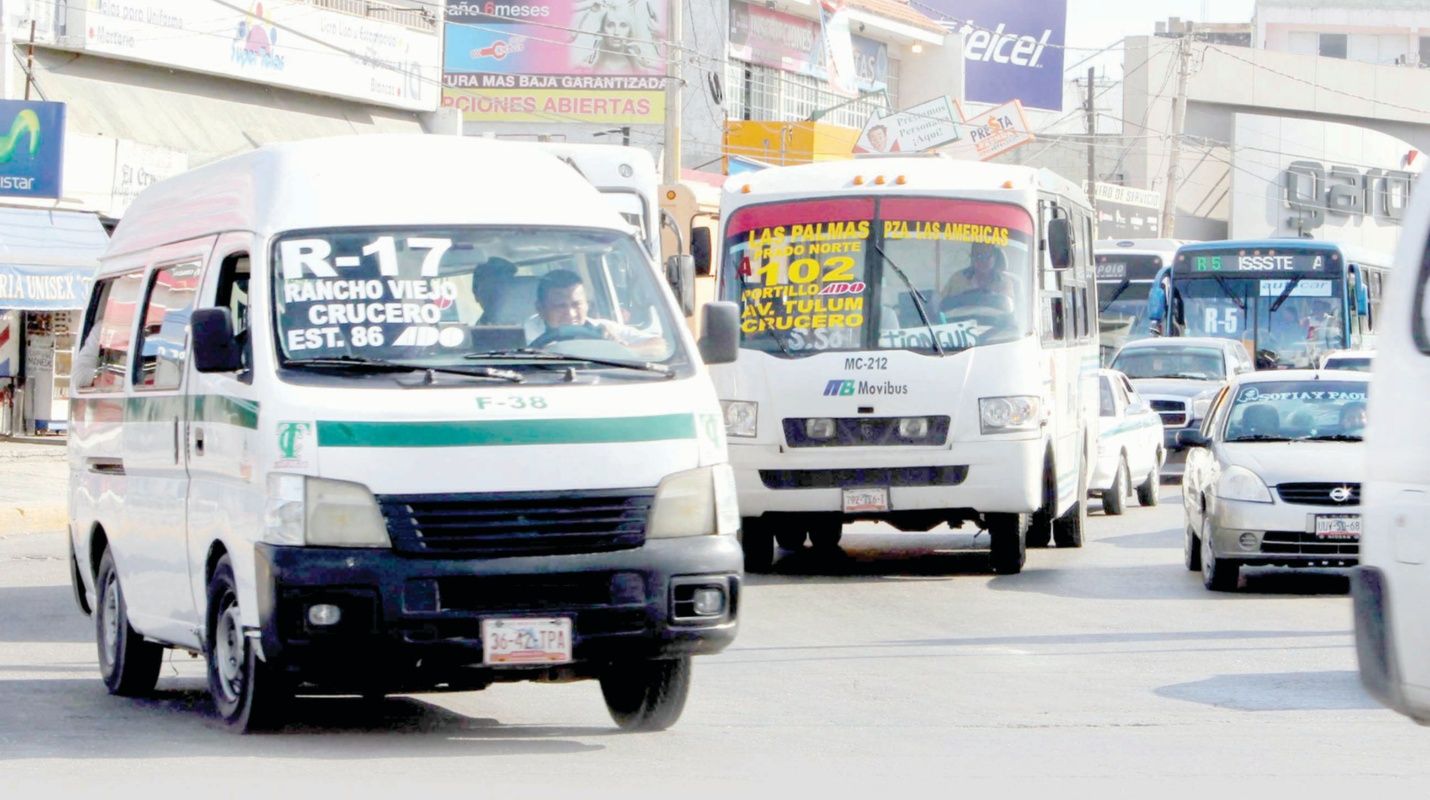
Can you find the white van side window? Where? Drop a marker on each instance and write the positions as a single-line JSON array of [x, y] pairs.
[[105, 344], [164, 336]]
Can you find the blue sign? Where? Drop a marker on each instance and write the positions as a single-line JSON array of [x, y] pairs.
[[32, 147], [1012, 49], [44, 288]]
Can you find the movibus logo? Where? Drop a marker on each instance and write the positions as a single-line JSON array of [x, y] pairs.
[[851, 388], [839, 388]]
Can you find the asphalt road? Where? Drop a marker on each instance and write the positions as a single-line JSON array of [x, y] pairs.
[[898, 668]]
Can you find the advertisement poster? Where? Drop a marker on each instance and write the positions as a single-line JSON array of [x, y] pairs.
[[1126, 213], [1013, 49], [592, 61], [941, 124], [32, 146]]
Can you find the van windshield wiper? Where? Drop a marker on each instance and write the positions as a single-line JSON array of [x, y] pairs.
[[379, 365], [1116, 293], [533, 354], [917, 297]]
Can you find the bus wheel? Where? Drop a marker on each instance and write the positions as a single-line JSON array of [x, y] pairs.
[[1068, 529], [1040, 525], [247, 692], [758, 543], [1008, 542], [646, 695], [128, 664]]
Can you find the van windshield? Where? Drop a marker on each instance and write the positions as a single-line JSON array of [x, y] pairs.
[[458, 297]]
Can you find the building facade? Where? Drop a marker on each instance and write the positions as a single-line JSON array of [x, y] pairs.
[[1382, 32]]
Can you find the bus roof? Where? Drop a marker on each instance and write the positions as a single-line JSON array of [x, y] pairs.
[[366, 180], [919, 172]]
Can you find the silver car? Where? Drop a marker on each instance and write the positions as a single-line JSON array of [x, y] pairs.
[[1273, 476]]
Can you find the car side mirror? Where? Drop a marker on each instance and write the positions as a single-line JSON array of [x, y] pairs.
[[216, 348], [720, 332], [1193, 438], [680, 273], [1060, 242], [701, 250]]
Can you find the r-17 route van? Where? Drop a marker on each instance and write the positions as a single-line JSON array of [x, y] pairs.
[[398, 414]]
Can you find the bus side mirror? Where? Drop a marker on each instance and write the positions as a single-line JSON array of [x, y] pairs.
[[720, 332], [215, 346], [700, 250], [1060, 242], [680, 273]]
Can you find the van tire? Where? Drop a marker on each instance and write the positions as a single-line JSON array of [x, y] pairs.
[[128, 664], [1150, 492], [758, 543], [1007, 542], [1114, 500], [248, 693], [645, 696]]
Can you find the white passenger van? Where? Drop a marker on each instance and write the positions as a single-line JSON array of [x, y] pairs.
[[919, 347], [379, 414], [1391, 587]]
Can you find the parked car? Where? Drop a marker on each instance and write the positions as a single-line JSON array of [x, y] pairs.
[[1358, 360], [1179, 377], [1274, 474], [1129, 446]]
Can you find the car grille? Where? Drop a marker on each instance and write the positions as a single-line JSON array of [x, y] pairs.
[[1300, 543], [865, 432], [517, 523], [1174, 412], [1319, 494], [855, 478]]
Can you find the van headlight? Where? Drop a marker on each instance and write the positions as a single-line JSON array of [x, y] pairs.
[[320, 512], [699, 502], [1240, 483], [741, 417], [1009, 414]]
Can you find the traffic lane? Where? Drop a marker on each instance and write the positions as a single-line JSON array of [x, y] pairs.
[[847, 674]]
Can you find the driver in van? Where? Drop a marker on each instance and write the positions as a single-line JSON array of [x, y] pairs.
[[562, 307]]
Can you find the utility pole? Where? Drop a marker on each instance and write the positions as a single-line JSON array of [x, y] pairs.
[[1179, 113], [30, 62], [1091, 140], [674, 86]]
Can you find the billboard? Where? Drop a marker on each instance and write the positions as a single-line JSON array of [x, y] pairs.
[[32, 146], [556, 61], [1012, 49], [1126, 213]]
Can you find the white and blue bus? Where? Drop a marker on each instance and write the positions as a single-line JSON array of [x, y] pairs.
[[1287, 300]]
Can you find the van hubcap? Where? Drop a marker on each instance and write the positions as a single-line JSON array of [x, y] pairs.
[[109, 609], [229, 653]]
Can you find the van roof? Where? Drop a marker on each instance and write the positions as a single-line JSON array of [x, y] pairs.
[[920, 172], [367, 180]]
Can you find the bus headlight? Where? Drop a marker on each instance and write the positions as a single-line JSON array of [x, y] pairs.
[[1009, 414], [913, 427], [323, 513], [741, 417], [819, 428], [698, 502]]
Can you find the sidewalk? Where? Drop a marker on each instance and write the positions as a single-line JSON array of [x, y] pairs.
[[34, 480]]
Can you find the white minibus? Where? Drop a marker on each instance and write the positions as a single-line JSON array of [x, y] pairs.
[[1126, 271], [398, 413], [918, 347], [1391, 587]]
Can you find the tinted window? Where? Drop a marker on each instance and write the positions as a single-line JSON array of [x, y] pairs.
[[104, 351], [164, 337]]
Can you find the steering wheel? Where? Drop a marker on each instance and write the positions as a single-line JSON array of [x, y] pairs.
[[566, 333], [975, 300]]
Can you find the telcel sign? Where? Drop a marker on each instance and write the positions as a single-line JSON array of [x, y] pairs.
[[32, 146], [1012, 50]]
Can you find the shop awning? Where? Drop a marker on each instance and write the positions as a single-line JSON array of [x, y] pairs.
[[48, 258]]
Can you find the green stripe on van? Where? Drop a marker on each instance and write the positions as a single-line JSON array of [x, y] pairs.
[[222, 409], [493, 433]]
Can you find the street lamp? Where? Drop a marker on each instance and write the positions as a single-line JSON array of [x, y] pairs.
[[819, 113]]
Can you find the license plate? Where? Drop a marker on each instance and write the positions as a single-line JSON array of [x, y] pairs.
[[1338, 526], [526, 640], [863, 501]]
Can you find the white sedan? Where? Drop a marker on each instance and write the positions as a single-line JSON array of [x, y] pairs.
[[1129, 445]]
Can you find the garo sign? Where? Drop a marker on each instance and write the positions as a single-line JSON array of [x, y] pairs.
[[1311, 191]]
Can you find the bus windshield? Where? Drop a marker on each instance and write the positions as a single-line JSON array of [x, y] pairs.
[[1289, 308], [838, 274]]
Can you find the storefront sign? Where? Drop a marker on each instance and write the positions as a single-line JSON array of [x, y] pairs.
[[995, 131], [913, 130], [139, 166], [1013, 49], [32, 145], [573, 62], [43, 288], [1126, 213], [278, 42]]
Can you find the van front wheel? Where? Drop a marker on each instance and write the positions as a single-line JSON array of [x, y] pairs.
[[128, 664], [247, 692], [646, 696]]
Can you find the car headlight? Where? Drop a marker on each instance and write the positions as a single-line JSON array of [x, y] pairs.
[[699, 502], [1240, 483], [320, 512], [1201, 404], [741, 417], [1008, 414]]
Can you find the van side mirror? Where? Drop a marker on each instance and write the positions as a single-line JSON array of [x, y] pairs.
[[680, 273], [1060, 242], [1193, 438], [701, 249], [720, 332], [216, 348]]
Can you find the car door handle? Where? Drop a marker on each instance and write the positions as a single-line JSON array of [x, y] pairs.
[[198, 440]]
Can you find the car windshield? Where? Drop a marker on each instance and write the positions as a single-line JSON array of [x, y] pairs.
[[1190, 363], [1298, 410], [442, 298], [922, 274]]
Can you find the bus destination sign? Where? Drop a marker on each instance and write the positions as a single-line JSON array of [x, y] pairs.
[[1279, 263]]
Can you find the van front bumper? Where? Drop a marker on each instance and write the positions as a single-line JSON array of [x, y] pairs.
[[413, 622]]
